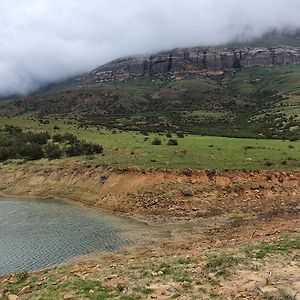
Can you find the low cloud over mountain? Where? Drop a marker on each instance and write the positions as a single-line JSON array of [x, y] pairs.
[[42, 41]]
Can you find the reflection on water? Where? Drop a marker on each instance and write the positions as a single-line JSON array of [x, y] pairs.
[[39, 234]]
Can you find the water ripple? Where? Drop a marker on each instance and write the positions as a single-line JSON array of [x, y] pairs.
[[38, 234]]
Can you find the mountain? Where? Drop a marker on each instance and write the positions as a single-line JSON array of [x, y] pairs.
[[191, 61], [251, 91]]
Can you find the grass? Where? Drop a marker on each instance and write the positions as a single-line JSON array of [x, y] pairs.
[[132, 149], [222, 263], [283, 246], [284, 79]]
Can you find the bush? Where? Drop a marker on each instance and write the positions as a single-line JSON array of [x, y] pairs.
[[32, 151], [12, 130], [70, 138], [81, 148], [75, 149], [5, 154], [37, 138], [156, 142], [172, 142], [57, 138], [90, 149], [53, 151], [180, 135], [293, 139]]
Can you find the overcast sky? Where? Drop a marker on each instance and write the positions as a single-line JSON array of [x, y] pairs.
[[43, 41]]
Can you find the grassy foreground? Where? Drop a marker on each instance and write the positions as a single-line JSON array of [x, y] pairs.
[[132, 149]]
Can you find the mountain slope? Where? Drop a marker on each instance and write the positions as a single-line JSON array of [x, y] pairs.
[[246, 92]]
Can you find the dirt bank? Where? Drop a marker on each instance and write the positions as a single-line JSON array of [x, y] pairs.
[[159, 195], [244, 243]]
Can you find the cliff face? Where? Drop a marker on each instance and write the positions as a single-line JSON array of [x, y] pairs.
[[198, 61]]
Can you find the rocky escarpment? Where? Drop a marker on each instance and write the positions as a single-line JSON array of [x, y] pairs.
[[197, 61]]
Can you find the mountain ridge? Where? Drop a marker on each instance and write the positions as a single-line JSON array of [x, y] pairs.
[[195, 61]]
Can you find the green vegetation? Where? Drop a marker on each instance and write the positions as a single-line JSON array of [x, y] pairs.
[[283, 246], [21, 277], [132, 149], [28, 145], [222, 263], [254, 102]]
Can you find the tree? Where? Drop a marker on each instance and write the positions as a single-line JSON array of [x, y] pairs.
[[31, 151], [74, 149], [53, 151]]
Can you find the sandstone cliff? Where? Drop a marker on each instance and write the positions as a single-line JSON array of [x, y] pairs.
[[191, 61]]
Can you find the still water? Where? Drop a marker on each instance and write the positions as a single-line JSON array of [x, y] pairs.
[[39, 234]]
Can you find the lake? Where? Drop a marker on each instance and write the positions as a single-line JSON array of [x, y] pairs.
[[36, 234]]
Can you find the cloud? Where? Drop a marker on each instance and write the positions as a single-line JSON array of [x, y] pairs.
[[42, 41]]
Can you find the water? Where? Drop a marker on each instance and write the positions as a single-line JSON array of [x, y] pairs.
[[38, 234]]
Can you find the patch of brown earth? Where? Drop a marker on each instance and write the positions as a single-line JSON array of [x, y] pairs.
[[159, 195]]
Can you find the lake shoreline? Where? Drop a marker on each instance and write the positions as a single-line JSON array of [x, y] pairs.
[[155, 197]]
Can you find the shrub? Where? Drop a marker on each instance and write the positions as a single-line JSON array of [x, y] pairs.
[[172, 142], [74, 149], [293, 139], [70, 138], [21, 277], [37, 138], [5, 154], [57, 138], [12, 130], [90, 149], [157, 142], [32, 151], [53, 151]]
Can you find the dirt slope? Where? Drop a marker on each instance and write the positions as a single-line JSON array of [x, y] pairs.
[[159, 195]]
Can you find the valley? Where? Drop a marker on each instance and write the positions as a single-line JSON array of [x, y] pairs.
[[199, 148]]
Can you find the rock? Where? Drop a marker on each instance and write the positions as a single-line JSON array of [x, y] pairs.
[[13, 297], [112, 276], [160, 273], [24, 290], [269, 292], [63, 279], [13, 279], [197, 60], [185, 284], [69, 297]]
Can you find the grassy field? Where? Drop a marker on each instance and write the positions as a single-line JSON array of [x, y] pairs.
[[130, 149]]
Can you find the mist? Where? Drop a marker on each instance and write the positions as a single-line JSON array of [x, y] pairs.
[[43, 41]]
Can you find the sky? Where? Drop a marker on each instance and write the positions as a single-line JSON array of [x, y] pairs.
[[43, 41]]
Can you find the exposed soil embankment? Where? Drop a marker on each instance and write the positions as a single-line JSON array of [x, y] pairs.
[[159, 195]]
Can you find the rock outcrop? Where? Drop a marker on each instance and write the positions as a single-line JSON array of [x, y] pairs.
[[193, 61]]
